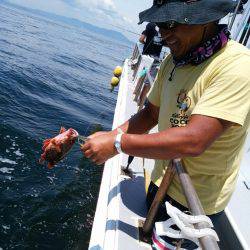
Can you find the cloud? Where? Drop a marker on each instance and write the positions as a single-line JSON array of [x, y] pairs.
[[105, 9], [106, 12], [99, 4], [103, 13]]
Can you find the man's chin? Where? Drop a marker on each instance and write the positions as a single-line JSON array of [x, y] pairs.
[[174, 53]]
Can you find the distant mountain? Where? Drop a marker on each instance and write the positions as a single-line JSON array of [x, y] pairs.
[[74, 22]]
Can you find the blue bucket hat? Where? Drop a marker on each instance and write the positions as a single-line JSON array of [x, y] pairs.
[[187, 11]]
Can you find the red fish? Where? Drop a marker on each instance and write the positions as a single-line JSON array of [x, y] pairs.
[[55, 149]]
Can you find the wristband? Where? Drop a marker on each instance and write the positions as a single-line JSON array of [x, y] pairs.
[[118, 140]]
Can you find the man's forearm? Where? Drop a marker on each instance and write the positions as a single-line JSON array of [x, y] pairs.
[[179, 142], [140, 123], [169, 144]]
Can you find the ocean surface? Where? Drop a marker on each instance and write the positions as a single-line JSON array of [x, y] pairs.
[[51, 75]]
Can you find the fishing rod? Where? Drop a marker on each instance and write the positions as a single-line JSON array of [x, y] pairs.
[[125, 29], [83, 138]]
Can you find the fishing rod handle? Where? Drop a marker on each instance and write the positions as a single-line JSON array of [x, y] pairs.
[[194, 204], [159, 197]]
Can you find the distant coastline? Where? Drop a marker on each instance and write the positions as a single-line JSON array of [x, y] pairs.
[[74, 22]]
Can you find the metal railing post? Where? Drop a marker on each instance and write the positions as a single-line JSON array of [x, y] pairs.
[[234, 15], [136, 66], [138, 87], [135, 52]]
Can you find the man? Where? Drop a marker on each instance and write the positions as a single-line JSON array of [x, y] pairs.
[[151, 40], [200, 101]]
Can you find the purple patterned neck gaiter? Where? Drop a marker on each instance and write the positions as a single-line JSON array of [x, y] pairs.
[[207, 49]]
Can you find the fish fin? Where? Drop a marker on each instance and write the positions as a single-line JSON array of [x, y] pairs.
[[62, 130], [46, 143], [41, 160], [46, 140]]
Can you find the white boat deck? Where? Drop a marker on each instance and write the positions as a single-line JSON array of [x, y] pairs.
[[121, 200]]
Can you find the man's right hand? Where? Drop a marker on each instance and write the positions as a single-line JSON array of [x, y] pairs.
[[100, 147]]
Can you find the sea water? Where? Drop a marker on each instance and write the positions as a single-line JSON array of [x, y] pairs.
[[51, 75]]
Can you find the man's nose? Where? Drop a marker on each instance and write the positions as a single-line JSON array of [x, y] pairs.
[[166, 33]]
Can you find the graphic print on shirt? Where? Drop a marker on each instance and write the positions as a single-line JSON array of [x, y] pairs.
[[181, 118]]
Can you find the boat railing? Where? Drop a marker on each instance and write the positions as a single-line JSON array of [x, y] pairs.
[[238, 24], [143, 80], [234, 15], [137, 51], [144, 69], [136, 59], [142, 87]]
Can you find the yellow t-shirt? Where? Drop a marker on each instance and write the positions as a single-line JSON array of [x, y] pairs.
[[218, 87]]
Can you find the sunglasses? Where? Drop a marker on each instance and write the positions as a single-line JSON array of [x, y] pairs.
[[167, 25]]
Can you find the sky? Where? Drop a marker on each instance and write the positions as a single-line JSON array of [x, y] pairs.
[[103, 13]]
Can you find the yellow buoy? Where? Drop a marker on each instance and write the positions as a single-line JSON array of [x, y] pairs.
[[114, 82], [117, 71]]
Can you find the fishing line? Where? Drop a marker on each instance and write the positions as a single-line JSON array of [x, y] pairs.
[[90, 124], [83, 138], [124, 29], [148, 44], [152, 40]]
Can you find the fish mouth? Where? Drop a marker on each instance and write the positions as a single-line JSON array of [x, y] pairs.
[[74, 132]]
